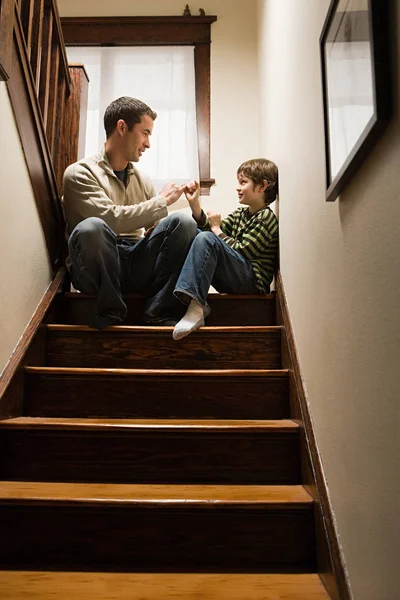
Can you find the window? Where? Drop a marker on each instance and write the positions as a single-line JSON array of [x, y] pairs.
[[164, 78], [158, 31]]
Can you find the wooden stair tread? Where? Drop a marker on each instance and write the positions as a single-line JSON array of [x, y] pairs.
[[272, 497], [146, 329], [278, 426], [34, 585], [150, 373], [212, 296]]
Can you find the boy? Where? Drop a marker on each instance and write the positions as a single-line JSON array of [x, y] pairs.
[[236, 255]]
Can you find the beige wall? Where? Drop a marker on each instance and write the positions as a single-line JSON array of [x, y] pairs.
[[340, 261], [24, 266], [341, 269], [234, 79]]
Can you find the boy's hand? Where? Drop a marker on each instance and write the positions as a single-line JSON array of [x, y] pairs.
[[214, 221], [172, 192], [192, 193]]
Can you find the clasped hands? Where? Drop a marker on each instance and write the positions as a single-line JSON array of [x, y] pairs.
[[172, 192], [192, 194]]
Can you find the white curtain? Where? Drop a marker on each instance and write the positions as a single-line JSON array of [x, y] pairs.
[[164, 78]]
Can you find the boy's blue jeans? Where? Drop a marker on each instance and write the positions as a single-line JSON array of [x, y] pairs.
[[106, 266], [212, 262]]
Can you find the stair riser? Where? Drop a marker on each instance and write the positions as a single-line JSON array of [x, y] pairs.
[[158, 397], [157, 350], [140, 539], [162, 457], [224, 311]]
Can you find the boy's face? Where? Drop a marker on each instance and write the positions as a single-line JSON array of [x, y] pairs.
[[249, 193]]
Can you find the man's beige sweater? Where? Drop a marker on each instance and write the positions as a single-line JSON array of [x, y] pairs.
[[91, 189]]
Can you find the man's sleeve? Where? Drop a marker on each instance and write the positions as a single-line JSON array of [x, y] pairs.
[[84, 198]]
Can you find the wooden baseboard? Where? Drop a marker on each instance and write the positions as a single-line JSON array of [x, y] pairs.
[[30, 345], [330, 561]]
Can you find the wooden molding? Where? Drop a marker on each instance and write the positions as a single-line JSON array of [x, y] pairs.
[[330, 562], [136, 31], [6, 34], [158, 31], [11, 380], [205, 185]]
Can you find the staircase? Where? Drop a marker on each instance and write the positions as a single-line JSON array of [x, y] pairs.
[[147, 468]]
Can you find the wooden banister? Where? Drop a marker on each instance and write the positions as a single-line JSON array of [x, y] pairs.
[[37, 29], [36, 69]]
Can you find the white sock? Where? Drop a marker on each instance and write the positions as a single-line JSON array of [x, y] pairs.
[[193, 319]]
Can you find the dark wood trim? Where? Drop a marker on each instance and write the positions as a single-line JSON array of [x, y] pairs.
[[202, 77], [70, 145], [59, 138], [136, 31], [330, 562], [36, 44], [158, 31], [45, 64], [53, 87], [21, 87], [6, 35], [29, 350], [205, 185], [61, 44], [27, 23]]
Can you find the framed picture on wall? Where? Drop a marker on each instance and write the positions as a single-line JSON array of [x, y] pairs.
[[355, 61]]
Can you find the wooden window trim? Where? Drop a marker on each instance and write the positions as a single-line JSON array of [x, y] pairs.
[[158, 31]]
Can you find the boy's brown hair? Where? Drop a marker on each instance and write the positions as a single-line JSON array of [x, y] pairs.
[[260, 170]]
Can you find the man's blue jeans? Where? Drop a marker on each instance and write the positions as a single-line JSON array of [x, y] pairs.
[[107, 267], [212, 262]]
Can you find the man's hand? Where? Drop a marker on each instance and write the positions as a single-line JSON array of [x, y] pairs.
[[192, 193], [148, 231], [172, 192], [214, 221]]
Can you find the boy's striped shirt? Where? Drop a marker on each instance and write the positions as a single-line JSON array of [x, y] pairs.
[[256, 238]]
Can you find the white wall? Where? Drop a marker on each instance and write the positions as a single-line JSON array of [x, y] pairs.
[[234, 79], [24, 266], [340, 264]]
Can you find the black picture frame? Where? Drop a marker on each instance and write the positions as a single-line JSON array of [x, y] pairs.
[[345, 33]]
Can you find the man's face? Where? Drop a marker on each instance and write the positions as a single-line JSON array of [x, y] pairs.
[[137, 140]]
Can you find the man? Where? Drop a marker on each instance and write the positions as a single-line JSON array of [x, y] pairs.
[[107, 204]]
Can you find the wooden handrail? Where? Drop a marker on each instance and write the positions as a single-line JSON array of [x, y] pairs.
[[39, 82]]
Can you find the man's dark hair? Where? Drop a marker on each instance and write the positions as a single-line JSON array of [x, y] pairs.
[[130, 110]]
